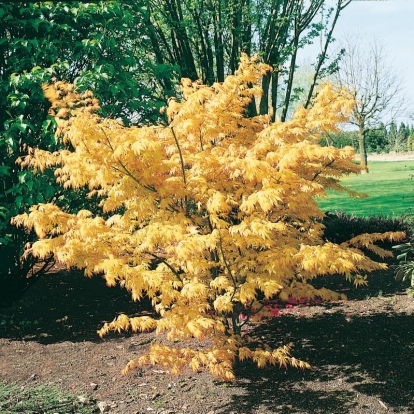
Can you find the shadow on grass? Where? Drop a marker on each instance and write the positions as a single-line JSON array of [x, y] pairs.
[[371, 356]]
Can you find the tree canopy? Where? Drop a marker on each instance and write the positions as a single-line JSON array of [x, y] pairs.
[[204, 39], [208, 216], [376, 88]]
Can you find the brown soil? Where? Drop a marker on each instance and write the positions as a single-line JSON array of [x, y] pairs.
[[362, 352]]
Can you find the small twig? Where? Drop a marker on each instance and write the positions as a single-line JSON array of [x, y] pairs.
[[182, 168], [176, 274], [107, 140], [227, 267], [180, 154], [319, 172], [129, 174], [382, 404], [125, 169]]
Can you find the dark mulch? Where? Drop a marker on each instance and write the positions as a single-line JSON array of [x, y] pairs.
[[362, 352]]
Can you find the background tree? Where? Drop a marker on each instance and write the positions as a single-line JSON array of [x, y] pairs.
[[375, 86], [205, 38], [410, 138], [341, 139], [208, 216], [397, 137], [376, 139]]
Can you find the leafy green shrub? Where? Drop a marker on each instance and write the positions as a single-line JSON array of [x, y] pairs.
[[405, 267], [42, 42]]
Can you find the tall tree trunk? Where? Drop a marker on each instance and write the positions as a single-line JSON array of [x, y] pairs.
[[275, 85], [235, 8], [218, 43], [247, 28], [292, 69], [205, 53], [323, 54], [251, 107], [264, 100], [164, 80], [362, 149], [180, 40]]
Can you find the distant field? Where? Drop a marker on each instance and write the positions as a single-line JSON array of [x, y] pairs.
[[390, 188]]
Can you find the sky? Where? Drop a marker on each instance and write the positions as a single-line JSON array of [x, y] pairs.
[[392, 23]]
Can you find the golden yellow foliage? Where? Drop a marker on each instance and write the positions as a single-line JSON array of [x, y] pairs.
[[206, 215]]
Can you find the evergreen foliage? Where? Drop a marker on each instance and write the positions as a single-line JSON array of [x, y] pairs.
[[379, 139]]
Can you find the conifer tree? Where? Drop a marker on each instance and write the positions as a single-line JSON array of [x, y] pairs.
[[208, 216]]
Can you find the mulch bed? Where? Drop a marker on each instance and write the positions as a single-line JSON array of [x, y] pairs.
[[362, 353]]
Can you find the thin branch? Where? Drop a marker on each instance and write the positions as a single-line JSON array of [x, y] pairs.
[[176, 274], [108, 140], [129, 174], [47, 265], [249, 313], [125, 169], [227, 266], [180, 154], [214, 258], [182, 169], [323, 54], [320, 172], [201, 142]]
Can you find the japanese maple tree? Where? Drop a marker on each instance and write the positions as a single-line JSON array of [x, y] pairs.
[[207, 215]]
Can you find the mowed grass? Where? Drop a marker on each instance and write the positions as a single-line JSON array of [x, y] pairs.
[[388, 184]]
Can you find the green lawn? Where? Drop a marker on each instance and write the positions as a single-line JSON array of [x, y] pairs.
[[389, 186]]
